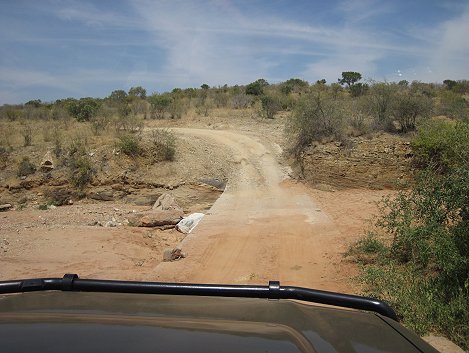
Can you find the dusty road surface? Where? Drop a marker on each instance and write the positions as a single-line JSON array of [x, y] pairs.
[[264, 227]]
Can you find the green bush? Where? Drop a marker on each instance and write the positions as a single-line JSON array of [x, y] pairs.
[[294, 85], [408, 107], [25, 167], [256, 88], [422, 238], [379, 103], [358, 89], [138, 91], [81, 170], [179, 107], [83, 109], [129, 144], [159, 105], [452, 105], [441, 145], [315, 117], [163, 145], [270, 106]]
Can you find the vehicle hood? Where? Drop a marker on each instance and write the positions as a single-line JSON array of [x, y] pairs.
[[116, 322]]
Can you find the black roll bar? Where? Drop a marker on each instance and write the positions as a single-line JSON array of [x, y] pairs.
[[71, 282]]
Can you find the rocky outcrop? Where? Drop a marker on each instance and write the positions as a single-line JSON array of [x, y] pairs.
[[155, 218], [106, 195], [166, 202], [376, 163], [47, 163]]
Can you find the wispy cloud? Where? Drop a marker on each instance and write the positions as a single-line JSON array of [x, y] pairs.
[[356, 11], [205, 46], [451, 52], [92, 16], [165, 44], [447, 50]]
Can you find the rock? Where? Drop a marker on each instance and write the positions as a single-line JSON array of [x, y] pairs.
[[166, 202], [110, 224], [216, 183], [142, 200], [155, 218], [5, 207], [47, 163], [173, 254], [59, 196], [103, 195]]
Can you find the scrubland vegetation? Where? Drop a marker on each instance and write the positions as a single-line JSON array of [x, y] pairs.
[[417, 254]]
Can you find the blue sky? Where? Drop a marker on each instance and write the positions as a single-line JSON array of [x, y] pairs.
[[55, 49]]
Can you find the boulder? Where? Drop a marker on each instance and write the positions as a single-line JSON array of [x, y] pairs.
[[166, 202], [5, 207], [173, 254], [106, 195], [47, 163], [155, 218], [142, 200]]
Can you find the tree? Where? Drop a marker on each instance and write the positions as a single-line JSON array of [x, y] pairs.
[[321, 82], [118, 96], [138, 91], [159, 104], [83, 109], [349, 78], [205, 86], [293, 85], [449, 83], [262, 82], [256, 88], [36, 103]]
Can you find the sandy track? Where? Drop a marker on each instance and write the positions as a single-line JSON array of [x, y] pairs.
[[262, 227]]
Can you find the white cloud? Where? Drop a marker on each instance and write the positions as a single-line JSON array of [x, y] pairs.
[[90, 15], [218, 44], [447, 51], [451, 53], [361, 10], [331, 68], [75, 83]]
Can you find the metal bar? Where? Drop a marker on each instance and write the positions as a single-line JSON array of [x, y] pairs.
[[71, 282]]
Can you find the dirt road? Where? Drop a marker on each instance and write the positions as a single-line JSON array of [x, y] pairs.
[[262, 227]]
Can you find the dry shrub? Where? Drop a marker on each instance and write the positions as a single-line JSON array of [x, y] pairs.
[[25, 167], [163, 145]]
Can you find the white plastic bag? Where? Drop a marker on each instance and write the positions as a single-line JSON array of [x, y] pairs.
[[187, 224]]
